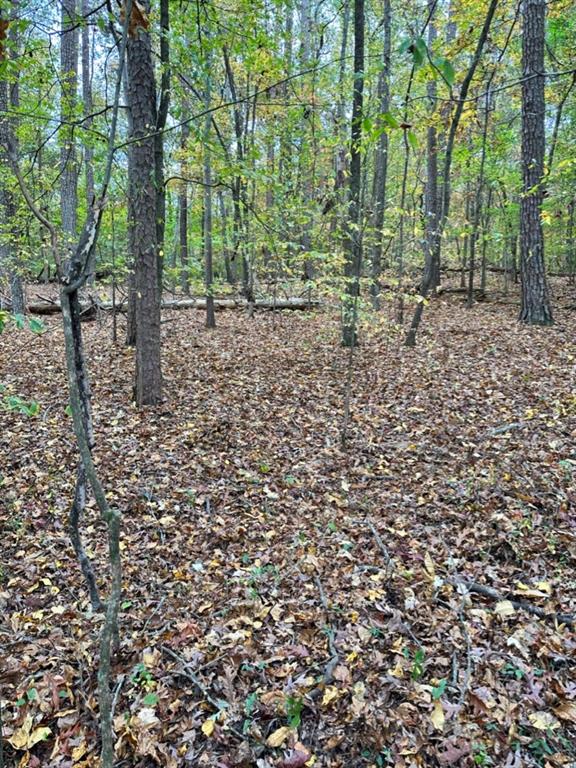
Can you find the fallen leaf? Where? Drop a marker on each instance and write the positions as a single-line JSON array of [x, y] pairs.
[[566, 711], [543, 721], [279, 736], [208, 726], [438, 718], [504, 608]]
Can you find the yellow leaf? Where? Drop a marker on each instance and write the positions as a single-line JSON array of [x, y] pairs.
[[544, 721], [19, 738], [504, 608], [38, 734], [208, 727], [429, 565], [330, 694], [79, 752], [437, 716], [543, 589], [279, 736], [276, 612]]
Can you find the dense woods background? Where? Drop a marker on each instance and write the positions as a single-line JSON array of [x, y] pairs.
[[332, 525]]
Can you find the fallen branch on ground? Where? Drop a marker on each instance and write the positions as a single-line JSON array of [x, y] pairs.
[[493, 594], [51, 308]]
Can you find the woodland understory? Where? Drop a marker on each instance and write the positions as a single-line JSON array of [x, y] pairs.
[[288, 600]]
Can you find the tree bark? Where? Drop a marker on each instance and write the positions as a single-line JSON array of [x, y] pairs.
[[9, 233], [161, 118], [142, 211], [353, 238], [207, 229], [536, 308], [68, 102], [381, 157], [410, 340]]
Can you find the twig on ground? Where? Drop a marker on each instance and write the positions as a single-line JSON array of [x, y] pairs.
[[117, 690], [189, 673], [480, 589], [154, 612], [468, 675], [334, 655], [381, 546]]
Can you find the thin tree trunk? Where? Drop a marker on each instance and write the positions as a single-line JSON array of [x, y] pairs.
[[68, 102], [207, 229], [183, 202], [426, 286], [353, 239], [161, 118], [9, 232], [431, 197], [381, 157]]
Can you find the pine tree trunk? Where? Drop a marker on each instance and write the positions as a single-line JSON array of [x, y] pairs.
[[536, 308], [142, 208]]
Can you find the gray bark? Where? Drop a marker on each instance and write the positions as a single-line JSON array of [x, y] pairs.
[[353, 239], [536, 308], [207, 229], [142, 209], [9, 233], [68, 103], [381, 158]]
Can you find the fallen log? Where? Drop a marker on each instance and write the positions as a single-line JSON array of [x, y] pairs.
[[89, 309]]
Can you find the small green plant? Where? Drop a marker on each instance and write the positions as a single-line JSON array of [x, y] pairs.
[[141, 676], [510, 670], [294, 706], [418, 664], [480, 755], [18, 405], [438, 690]]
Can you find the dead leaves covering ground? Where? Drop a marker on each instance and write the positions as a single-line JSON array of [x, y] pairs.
[[263, 623]]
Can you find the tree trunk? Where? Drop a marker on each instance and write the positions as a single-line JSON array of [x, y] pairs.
[[9, 232], [183, 201], [68, 102], [426, 286], [431, 197], [142, 207], [536, 308], [381, 158], [207, 228], [161, 118], [353, 239]]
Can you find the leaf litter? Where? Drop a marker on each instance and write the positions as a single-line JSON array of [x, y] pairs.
[[289, 602]]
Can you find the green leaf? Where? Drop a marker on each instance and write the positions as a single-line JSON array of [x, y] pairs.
[[150, 700], [19, 321], [250, 703], [36, 326], [3, 320], [439, 689], [412, 139], [419, 51], [389, 120], [446, 70]]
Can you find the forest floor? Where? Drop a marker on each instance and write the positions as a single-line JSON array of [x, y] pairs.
[[289, 601]]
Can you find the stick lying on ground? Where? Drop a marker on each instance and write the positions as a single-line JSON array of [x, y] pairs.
[[480, 589]]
